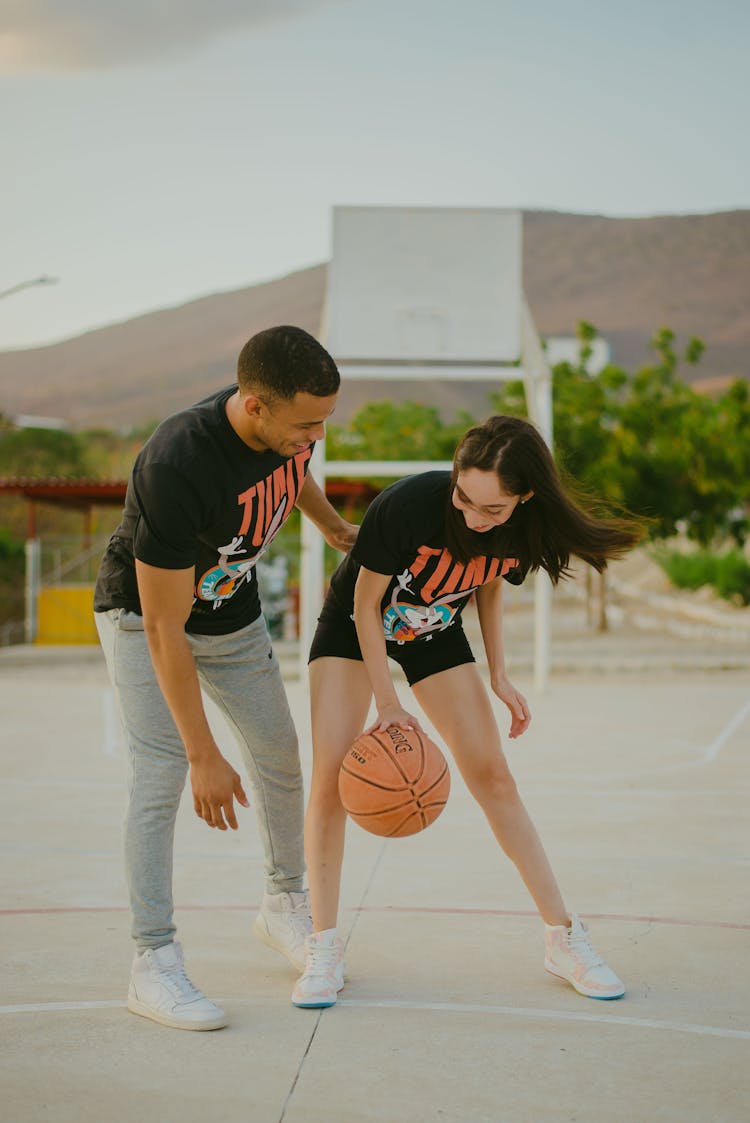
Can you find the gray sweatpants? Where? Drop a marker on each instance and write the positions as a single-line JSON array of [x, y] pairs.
[[240, 673]]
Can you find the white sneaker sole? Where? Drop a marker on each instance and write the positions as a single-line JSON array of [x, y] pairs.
[[136, 1007], [316, 1003], [580, 987], [266, 938]]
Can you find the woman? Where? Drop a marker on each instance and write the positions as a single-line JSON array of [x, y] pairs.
[[425, 545]]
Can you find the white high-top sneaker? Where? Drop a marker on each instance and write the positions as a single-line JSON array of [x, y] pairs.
[[284, 923], [570, 956], [323, 977], [160, 990]]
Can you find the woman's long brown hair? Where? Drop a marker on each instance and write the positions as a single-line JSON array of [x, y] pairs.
[[552, 525]]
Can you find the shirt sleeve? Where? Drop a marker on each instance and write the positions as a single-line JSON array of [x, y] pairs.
[[385, 540], [169, 511], [516, 575]]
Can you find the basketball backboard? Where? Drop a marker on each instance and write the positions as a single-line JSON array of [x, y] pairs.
[[429, 284]]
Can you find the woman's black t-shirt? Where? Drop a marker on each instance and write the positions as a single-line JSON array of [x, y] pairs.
[[403, 533], [198, 496]]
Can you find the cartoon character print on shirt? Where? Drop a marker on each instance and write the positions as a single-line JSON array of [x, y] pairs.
[[404, 622], [221, 582], [438, 588], [266, 505]]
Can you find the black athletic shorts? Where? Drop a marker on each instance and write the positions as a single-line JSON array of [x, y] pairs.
[[336, 635]]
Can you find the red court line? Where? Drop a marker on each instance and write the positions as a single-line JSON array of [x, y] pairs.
[[400, 909], [587, 915]]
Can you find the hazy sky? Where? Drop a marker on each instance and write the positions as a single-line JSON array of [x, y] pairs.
[[155, 151]]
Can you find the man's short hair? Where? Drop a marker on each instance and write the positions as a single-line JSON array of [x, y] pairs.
[[283, 361]]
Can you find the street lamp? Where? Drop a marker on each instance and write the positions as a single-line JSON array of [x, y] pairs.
[[29, 284]]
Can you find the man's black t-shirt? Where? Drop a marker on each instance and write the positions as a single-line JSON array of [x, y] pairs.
[[403, 533], [198, 496]]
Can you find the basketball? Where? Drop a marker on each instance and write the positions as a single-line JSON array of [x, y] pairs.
[[394, 782]]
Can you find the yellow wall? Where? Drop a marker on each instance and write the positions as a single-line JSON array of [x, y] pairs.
[[65, 614]]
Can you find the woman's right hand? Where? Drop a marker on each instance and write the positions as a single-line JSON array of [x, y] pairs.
[[520, 714], [394, 714]]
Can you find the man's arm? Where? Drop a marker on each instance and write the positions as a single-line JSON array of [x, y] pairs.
[[336, 531], [166, 599]]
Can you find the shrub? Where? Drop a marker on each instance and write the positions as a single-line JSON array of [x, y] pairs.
[[728, 574], [733, 577]]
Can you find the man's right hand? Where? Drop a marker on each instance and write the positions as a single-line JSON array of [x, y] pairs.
[[216, 785]]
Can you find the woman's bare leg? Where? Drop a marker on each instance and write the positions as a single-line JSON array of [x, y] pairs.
[[339, 700], [457, 704]]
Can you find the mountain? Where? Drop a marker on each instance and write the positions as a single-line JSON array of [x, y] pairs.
[[627, 276]]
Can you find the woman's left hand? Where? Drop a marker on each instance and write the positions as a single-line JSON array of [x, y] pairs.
[[516, 703]]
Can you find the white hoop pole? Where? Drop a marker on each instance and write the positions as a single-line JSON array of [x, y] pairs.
[[538, 383]]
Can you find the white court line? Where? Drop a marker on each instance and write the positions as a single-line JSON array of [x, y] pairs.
[[54, 1007], [552, 1015], [729, 729], [436, 1007]]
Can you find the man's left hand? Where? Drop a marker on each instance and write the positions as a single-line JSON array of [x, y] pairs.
[[344, 537]]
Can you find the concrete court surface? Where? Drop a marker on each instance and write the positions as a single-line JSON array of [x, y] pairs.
[[638, 784]]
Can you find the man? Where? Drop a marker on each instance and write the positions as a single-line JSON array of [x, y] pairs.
[[177, 609]]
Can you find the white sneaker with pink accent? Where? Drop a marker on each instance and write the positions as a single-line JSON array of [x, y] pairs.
[[570, 956], [323, 976]]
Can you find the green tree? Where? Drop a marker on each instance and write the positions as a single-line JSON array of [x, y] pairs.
[[677, 449], [11, 579], [585, 410], [732, 421], [386, 430], [42, 453], [649, 443], [111, 455]]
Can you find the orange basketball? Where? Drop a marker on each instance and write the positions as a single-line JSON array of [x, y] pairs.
[[394, 783]]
